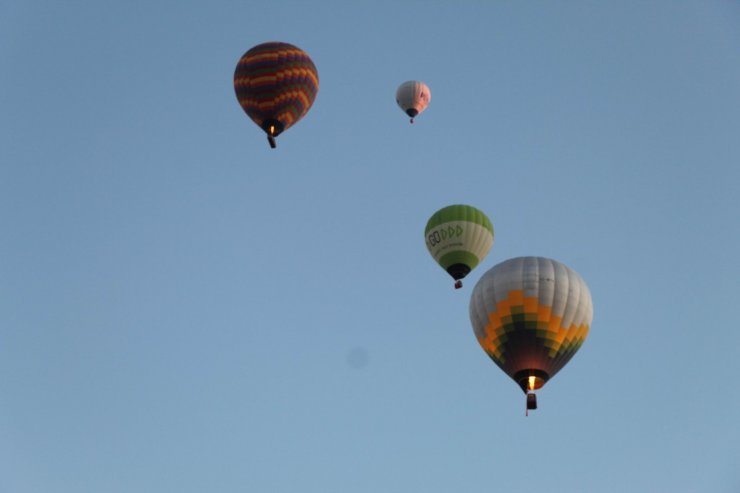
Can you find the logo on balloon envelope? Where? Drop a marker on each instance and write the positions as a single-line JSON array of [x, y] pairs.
[[442, 234]]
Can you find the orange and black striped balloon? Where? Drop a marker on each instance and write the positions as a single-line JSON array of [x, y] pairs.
[[276, 84]]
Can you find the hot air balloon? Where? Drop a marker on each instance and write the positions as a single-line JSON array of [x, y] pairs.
[[458, 237], [531, 315], [413, 97], [276, 84]]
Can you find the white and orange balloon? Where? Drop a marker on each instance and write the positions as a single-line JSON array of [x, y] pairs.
[[531, 315]]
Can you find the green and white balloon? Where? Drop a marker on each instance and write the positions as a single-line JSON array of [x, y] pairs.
[[458, 237]]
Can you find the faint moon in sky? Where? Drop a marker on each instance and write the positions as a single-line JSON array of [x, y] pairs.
[[358, 357]]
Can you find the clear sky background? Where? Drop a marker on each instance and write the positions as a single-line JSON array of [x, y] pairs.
[[184, 309]]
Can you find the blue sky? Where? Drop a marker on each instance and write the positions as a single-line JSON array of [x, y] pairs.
[[184, 309]]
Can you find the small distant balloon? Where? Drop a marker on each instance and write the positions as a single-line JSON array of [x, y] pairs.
[[413, 97], [276, 84]]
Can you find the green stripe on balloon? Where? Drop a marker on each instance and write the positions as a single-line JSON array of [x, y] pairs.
[[458, 257], [459, 213]]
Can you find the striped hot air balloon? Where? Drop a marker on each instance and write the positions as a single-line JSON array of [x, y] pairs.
[[413, 97], [458, 237], [531, 315], [276, 84]]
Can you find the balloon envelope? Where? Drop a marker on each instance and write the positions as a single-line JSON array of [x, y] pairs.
[[458, 237], [531, 315], [413, 97], [276, 84]]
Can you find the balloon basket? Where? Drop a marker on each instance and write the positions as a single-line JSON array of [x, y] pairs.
[[531, 403], [458, 284]]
